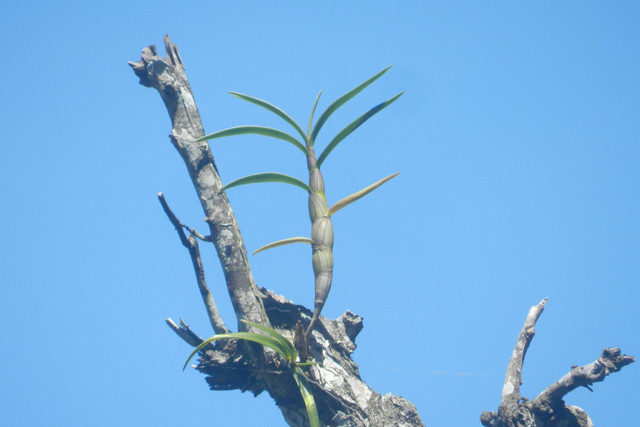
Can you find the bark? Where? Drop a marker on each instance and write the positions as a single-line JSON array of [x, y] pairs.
[[548, 409], [342, 398]]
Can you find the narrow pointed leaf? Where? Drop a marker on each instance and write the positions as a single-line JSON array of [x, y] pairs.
[[284, 242], [256, 130], [355, 196], [341, 101], [267, 177], [353, 126], [275, 110], [307, 396], [291, 351], [313, 110], [264, 340]]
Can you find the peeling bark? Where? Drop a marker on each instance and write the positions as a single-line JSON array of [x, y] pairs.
[[342, 397]]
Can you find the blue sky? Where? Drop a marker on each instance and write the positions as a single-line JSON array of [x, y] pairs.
[[518, 145]]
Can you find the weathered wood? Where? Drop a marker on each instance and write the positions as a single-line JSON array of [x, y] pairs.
[[168, 77]]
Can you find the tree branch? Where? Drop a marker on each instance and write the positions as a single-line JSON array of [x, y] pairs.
[[168, 77], [191, 243], [184, 332], [513, 377], [609, 362]]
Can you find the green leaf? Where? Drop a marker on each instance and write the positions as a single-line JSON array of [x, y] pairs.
[[264, 340], [290, 349], [275, 110], [307, 396], [355, 196], [267, 177], [284, 242], [282, 346], [353, 126], [255, 130], [313, 110], [341, 101]]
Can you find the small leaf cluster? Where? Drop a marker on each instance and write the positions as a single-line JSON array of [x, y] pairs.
[[307, 140], [284, 348]]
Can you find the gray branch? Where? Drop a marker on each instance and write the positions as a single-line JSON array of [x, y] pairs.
[[548, 409], [513, 377], [609, 362], [184, 332], [168, 77], [191, 243]]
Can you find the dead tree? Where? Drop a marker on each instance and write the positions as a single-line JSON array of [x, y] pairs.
[[342, 397]]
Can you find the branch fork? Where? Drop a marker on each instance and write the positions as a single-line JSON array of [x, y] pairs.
[[548, 409]]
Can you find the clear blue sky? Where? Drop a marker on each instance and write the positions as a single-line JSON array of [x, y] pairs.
[[518, 142]]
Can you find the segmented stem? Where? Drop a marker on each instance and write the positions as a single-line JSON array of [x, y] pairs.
[[319, 212], [321, 238]]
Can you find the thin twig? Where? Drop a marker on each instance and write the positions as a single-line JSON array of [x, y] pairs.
[[174, 220], [198, 235], [184, 332], [191, 243]]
